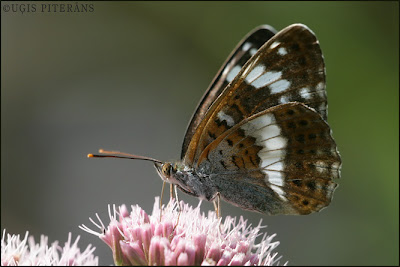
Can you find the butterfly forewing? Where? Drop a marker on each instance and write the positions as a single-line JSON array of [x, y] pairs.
[[289, 67], [285, 153], [246, 48]]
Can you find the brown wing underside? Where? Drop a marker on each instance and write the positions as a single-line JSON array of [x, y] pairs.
[[239, 56], [289, 67], [288, 148]]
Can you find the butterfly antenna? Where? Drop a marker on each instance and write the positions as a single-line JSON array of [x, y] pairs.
[[120, 155]]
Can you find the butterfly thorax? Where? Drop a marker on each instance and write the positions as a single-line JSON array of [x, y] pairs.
[[187, 179]]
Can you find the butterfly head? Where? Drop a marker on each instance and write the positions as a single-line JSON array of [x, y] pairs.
[[172, 173], [165, 170]]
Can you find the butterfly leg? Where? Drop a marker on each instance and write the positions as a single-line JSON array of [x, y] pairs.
[[171, 191], [174, 188], [217, 205], [162, 193]]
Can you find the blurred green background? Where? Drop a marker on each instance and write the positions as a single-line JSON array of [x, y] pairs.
[[128, 76]]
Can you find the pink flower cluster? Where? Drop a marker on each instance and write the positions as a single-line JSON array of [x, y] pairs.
[[16, 252], [182, 238]]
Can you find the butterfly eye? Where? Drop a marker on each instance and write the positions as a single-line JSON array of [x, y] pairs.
[[166, 170]]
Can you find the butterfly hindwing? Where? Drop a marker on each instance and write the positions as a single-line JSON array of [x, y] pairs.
[[285, 153], [289, 67], [246, 48]]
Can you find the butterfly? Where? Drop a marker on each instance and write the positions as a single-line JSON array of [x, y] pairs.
[[259, 138]]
